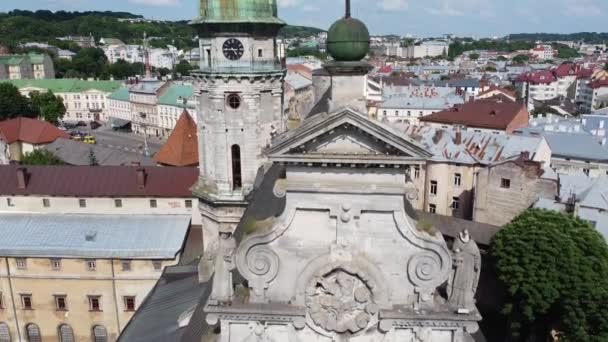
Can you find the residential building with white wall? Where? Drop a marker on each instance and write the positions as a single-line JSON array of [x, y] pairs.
[[83, 100]]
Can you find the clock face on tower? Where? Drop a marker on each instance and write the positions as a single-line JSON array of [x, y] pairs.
[[233, 49]]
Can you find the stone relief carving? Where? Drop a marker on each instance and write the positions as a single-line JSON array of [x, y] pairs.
[[340, 302], [224, 264], [462, 284]]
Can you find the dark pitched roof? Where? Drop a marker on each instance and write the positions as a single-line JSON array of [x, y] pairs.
[[176, 294], [76, 153], [30, 131], [99, 181], [491, 114], [181, 148], [450, 226]]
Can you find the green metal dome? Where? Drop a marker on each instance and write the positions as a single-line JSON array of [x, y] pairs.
[[348, 40], [238, 11]]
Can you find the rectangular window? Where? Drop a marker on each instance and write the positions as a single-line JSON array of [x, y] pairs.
[[46, 202], [158, 265], [129, 303], [505, 183], [153, 204], [91, 265], [455, 203], [433, 187], [118, 203], [457, 179], [260, 53], [21, 263], [126, 265], [416, 172], [82, 203], [94, 303], [9, 202], [586, 172], [56, 264], [26, 301], [61, 303], [432, 208], [1, 301], [188, 203]]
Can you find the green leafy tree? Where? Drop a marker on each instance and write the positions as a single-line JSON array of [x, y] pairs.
[[606, 66], [521, 59], [41, 157], [92, 158], [555, 270], [183, 68], [48, 106], [13, 104], [474, 56], [90, 62]]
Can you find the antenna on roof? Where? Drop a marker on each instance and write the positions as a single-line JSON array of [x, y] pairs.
[[347, 14]]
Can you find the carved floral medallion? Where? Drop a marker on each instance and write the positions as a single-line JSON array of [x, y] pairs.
[[340, 302]]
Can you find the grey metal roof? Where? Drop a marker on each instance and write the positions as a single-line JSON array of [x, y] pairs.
[[576, 146], [77, 153], [297, 81], [175, 295], [438, 98], [93, 236]]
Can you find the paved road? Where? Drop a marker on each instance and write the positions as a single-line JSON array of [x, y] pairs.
[[129, 142]]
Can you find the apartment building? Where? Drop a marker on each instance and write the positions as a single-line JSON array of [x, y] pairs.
[[83, 100], [30, 66], [88, 244]]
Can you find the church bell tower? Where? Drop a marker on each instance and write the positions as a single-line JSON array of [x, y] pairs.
[[240, 90]]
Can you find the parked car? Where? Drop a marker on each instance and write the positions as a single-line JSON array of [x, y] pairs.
[[81, 124], [95, 125], [89, 139]]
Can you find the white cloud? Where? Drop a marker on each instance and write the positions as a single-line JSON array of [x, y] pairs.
[[288, 3], [459, 8], [581, 8], [393, 5], [155, 2]]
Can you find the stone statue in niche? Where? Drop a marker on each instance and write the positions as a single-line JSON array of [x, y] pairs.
[[340, 302], [462, 284], [224, 264]]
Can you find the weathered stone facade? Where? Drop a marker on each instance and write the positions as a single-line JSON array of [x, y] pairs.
[[506, 189]]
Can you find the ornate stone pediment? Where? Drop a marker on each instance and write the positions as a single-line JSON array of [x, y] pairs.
[[345, 136]]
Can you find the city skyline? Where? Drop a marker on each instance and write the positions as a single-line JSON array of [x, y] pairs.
[[434, 17]]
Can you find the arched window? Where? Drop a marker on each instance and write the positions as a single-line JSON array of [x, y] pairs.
[[65, 333], [237, 181], [32, 333], [5, 334], [100, 334]]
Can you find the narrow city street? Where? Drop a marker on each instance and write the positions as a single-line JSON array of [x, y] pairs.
[[125, 141]]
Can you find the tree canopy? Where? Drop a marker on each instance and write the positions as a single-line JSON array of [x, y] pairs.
[[460, 46], [41, 157], [13, 104], [48, 106], [555, 270]]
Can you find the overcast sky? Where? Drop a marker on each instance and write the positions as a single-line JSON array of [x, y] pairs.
[[480, 18]]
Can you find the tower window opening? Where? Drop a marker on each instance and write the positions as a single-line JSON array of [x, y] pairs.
[[237, 182], [234, 101]]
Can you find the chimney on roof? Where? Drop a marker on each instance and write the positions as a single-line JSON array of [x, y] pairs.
[[21, 178], [525, 155], [141, 177], [458, 136]]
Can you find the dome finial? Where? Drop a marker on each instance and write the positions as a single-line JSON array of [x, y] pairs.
[[347, 14]]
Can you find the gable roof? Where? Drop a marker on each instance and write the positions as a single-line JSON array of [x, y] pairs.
[[76, 153], [30, 131], [489, 114], [99, 181], [181, 149], [405, 149]]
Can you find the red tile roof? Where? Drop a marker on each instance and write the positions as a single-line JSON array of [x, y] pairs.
[[30, 131], [490, 114], [99, 181], [387, 69], [181, 148], [539, 77], [494, 88]]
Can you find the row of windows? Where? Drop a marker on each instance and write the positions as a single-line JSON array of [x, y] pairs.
[[409, 113], [65, 332], [46, 202], [91, 265], [505, 183], [61, 302]]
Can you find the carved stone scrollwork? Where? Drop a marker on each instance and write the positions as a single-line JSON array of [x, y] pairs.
[[423, 268], [262, 268]]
